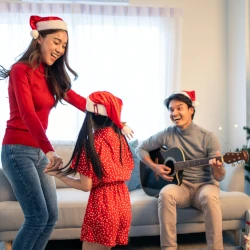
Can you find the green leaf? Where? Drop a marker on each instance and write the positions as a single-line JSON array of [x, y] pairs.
[[247, 178]]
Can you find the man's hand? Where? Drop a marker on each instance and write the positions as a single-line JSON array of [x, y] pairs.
[[163, 171], [216, 164], [218, 168]]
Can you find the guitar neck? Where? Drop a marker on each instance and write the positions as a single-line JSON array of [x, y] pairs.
[[181, 165]]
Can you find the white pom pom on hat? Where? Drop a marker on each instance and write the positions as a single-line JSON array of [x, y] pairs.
[[106, 104], [38, 23], [34, 34], [190, 94]]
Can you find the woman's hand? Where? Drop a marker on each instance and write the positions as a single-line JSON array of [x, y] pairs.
[[127, 131], [130, 136], [55, 163]]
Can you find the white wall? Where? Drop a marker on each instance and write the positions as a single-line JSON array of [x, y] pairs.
[[204, 66], [204, 60], [213, 64], [237, 70]]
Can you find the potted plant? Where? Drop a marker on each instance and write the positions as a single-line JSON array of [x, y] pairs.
[[247, 148]]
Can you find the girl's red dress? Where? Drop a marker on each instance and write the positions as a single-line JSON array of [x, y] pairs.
[[108, 214]]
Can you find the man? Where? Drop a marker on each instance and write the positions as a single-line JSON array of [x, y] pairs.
[[200, 186]]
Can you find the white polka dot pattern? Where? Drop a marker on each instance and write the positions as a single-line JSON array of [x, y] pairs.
[[108, 214]]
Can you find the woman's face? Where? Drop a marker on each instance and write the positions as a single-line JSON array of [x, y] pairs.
[[53, 46]]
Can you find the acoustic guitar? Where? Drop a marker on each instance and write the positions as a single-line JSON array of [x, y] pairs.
[[174, 158]]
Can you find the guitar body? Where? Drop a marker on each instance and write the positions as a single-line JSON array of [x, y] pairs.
[[152, 183], [174, 158]]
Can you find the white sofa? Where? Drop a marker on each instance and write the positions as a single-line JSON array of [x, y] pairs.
[[72, 204]]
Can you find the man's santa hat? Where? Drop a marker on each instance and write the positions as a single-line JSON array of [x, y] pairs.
[[38, 23], [190, 95], [106, 104]]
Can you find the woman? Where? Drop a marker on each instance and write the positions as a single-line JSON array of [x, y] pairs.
[[37, 82]]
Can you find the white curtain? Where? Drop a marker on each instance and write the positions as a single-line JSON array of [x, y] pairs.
[[133, 52]]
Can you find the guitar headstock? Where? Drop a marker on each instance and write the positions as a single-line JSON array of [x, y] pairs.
[[232, 157]]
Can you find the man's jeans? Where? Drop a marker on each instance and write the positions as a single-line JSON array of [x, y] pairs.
[[36, 193]]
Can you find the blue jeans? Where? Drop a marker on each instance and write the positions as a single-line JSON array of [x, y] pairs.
[[36, 193]]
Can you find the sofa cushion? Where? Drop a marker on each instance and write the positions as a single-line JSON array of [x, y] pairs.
[[233, 178], [134, 182], [65, 149], [6, 193], [145, 208], [71, 204]]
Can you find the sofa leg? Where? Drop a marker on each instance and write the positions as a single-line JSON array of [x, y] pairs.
[[8, 245]]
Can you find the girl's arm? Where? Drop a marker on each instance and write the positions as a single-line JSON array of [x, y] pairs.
[[76, 100], [83, 183]]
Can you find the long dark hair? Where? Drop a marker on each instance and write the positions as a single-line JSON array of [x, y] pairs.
[[181, 98], [57, 77], [85, 143]]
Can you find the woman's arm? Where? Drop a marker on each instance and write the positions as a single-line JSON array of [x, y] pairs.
[[76, 100]]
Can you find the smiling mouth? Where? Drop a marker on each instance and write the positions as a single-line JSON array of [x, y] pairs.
[[55, 55], [176, 119]]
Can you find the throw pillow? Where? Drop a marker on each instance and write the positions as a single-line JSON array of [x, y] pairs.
[[134, 182]]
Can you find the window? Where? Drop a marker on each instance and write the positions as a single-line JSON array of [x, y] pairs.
[[129, 51]]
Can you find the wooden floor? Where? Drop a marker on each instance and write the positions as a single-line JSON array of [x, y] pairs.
[[185, 242]]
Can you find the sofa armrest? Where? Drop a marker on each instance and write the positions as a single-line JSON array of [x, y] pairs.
[[247, 229], [6, 192], [234, 179]]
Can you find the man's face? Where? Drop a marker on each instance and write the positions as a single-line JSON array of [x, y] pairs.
[[53, 46], [180, 114]]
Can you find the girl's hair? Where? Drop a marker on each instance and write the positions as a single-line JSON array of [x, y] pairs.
[[181, 98], [85, 144], [57, 77]]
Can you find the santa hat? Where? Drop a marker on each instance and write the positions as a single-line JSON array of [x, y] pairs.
[[38, 23], [190, 95], [106, 104]]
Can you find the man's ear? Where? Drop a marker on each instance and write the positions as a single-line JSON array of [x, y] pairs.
[[191, 109]]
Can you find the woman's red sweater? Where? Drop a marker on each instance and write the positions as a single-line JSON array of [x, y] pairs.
[[30, 103]]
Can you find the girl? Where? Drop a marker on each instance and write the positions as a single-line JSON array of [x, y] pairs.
[[104, 161], [37, 82]]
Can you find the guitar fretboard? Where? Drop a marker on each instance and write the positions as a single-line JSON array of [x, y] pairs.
[[194, 163]]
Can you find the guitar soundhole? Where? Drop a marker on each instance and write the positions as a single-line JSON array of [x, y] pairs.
[[170, 164]]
